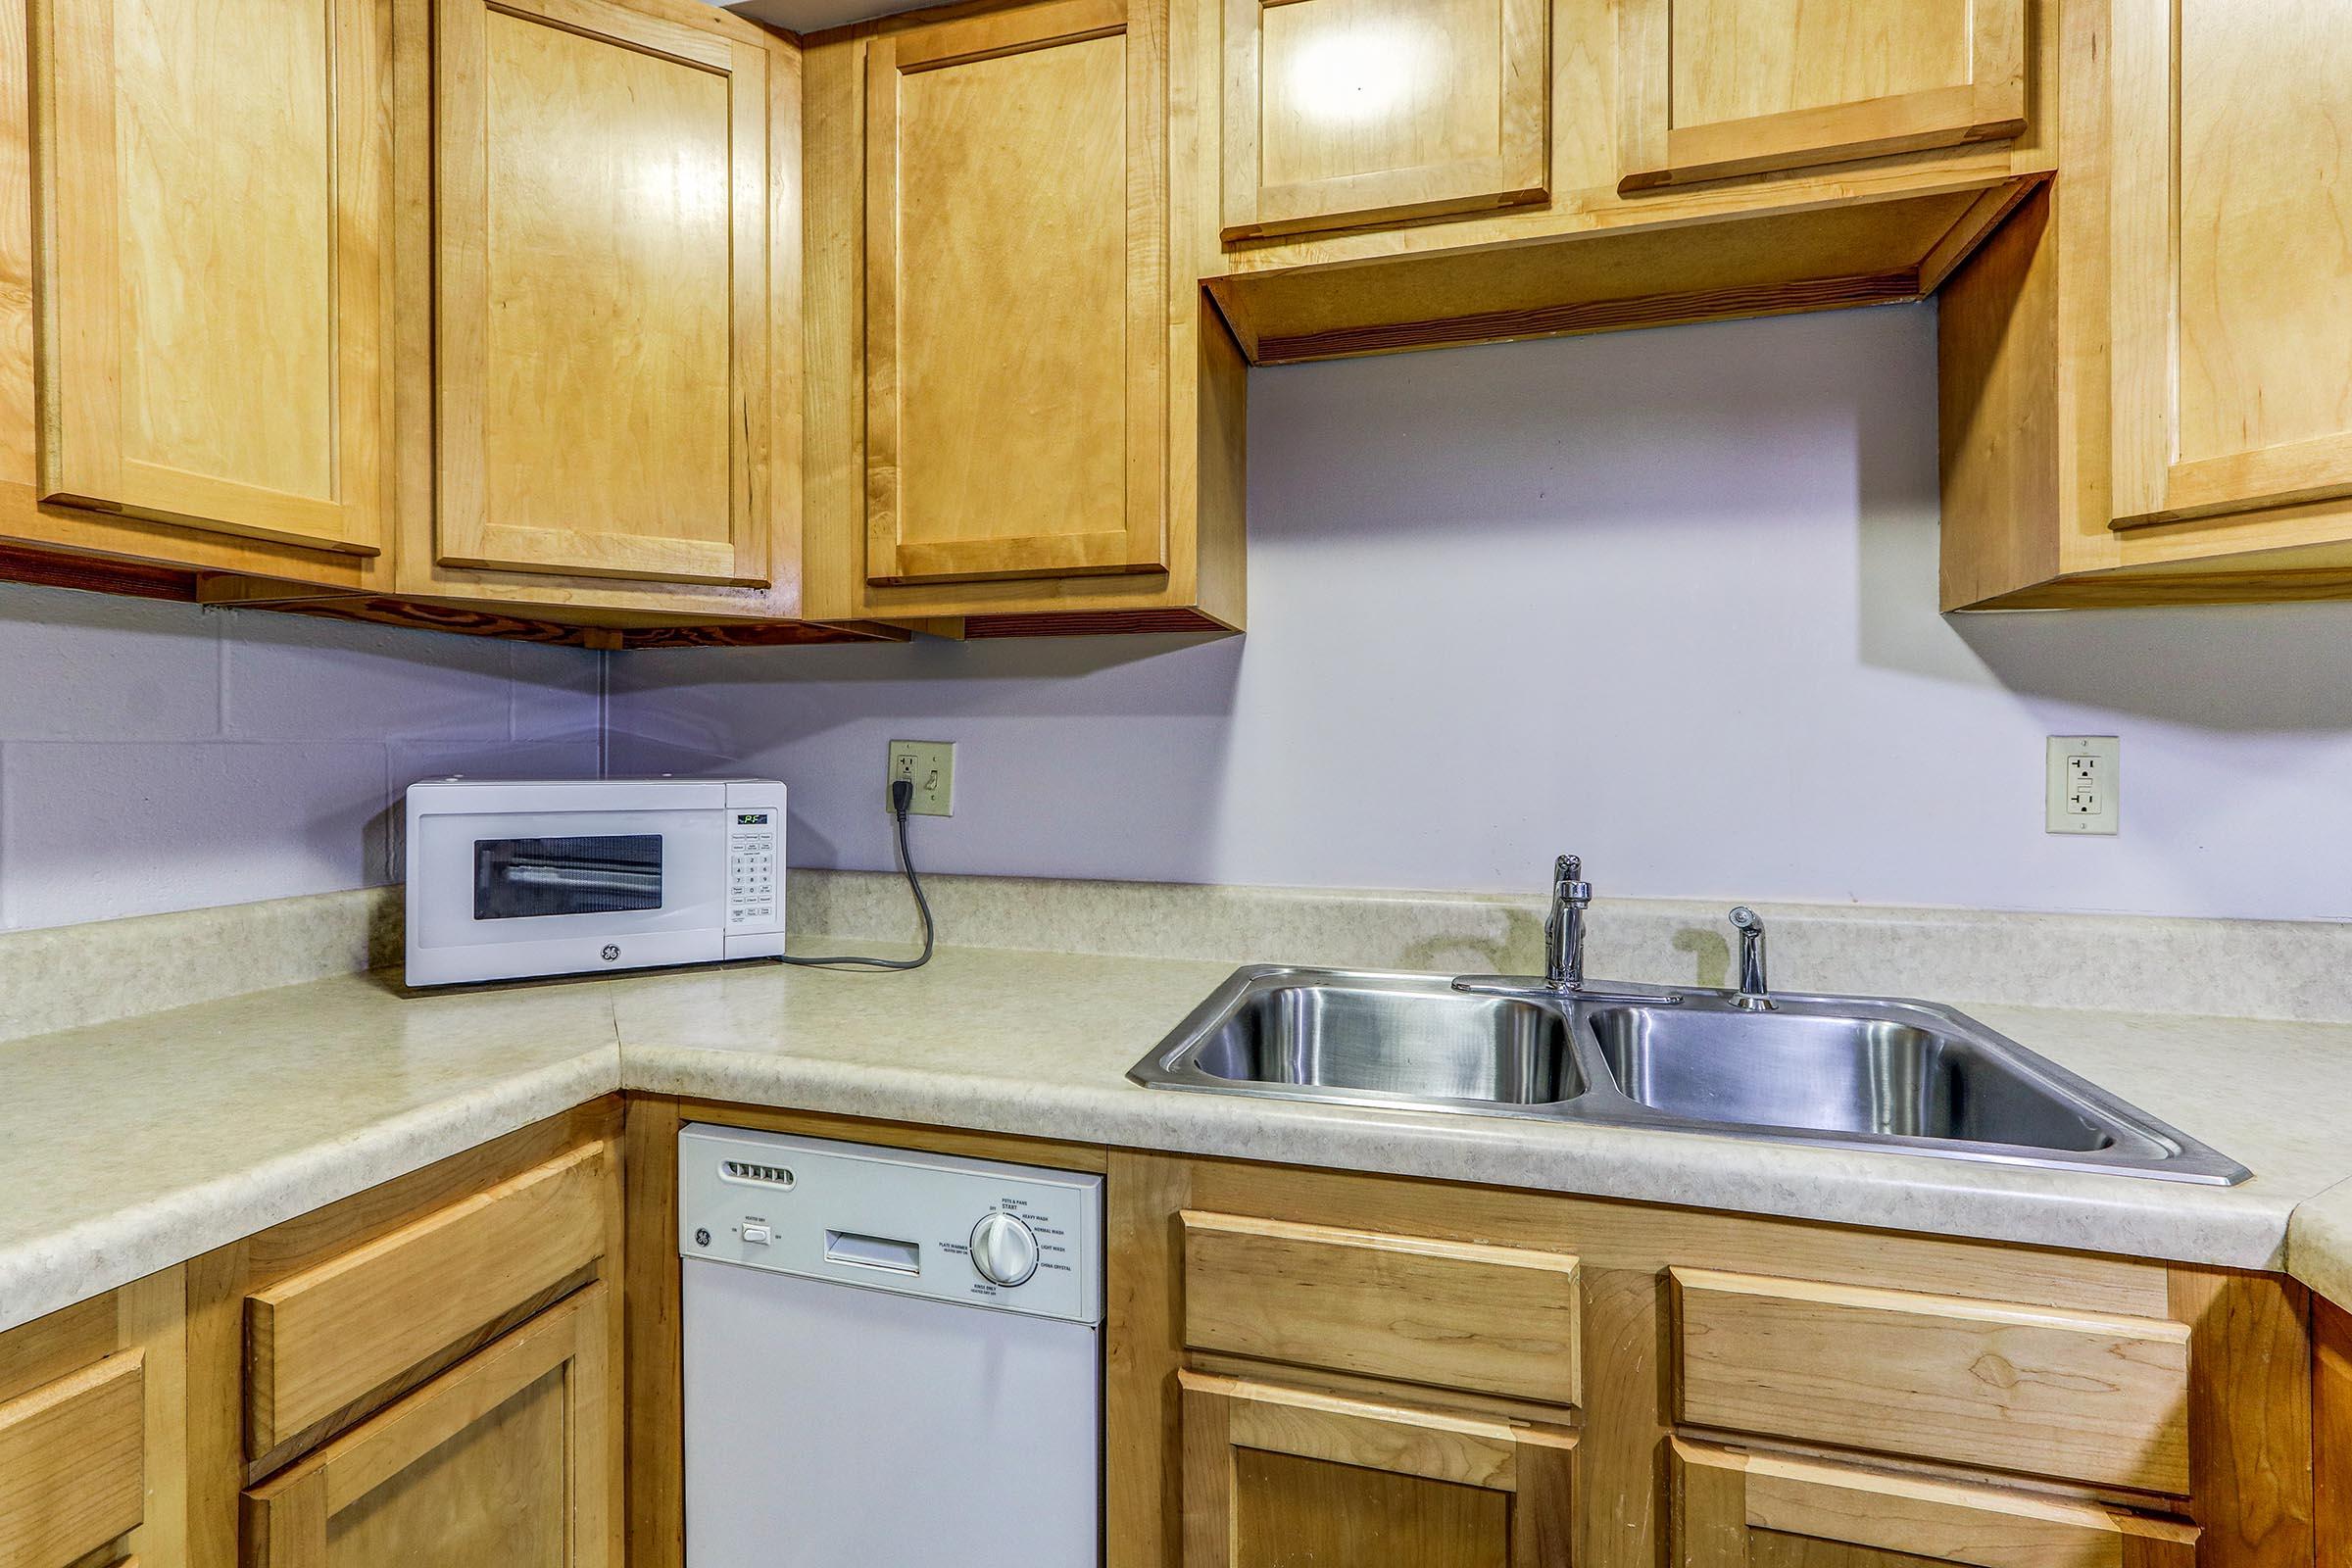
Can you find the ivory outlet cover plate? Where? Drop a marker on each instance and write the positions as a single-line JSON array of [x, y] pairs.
[[931, 765], [2084, 781]]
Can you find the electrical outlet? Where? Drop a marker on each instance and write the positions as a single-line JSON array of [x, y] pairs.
[[931, 766], [2083, 783]]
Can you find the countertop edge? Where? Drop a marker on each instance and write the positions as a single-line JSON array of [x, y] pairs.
[[112, 1250], [2078, 1214]]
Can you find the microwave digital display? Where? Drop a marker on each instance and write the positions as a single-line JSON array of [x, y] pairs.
[[520, 879]]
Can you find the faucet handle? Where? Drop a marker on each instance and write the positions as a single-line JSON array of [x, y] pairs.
[[1568, 879]]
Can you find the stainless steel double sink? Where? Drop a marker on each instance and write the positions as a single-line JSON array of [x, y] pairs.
[[1847, 1072]]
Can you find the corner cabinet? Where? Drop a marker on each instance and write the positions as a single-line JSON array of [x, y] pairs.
[[2143, 378], [1021, 411], [602, 302], [500, 1460], [598, 288], [1014, 157]]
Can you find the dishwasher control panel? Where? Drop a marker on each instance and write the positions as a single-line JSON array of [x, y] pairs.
[[980, 1232]]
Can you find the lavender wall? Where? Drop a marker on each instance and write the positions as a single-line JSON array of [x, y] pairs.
[[159, 757], [1667, 598]]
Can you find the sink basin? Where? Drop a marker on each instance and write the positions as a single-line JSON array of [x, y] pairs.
[[1382, 1038], [1852, 1072], [1806, 1067]]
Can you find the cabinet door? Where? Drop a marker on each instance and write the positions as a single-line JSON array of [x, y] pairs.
[[1345, 113], [1287, 1478], [511, 1456], [1734, 1509], [1015, 342], [214, 197], [1712, 88], [600, 238], [2231, 227]]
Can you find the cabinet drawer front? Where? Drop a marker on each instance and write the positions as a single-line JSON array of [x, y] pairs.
[[321, 1340], [2077, 1395], [1732, 1507], [73, 1464], [1450, 1314]]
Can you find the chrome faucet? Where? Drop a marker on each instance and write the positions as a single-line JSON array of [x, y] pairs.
[[1564, 929], [1754, 990], [1564, 952]]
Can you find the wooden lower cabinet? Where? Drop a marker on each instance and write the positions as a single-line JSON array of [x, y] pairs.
[[426, 1372], [1734, 1509], [1316, 1367], [2332, 1413], [1278, 1477], [92, 1471], [513, 1456]]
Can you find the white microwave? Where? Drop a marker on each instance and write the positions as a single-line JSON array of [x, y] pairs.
[[512, 878]]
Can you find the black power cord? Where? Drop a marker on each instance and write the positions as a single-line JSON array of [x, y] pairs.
[[902, 799]]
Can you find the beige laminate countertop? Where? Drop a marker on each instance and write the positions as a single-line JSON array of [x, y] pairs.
[[129, 1147]]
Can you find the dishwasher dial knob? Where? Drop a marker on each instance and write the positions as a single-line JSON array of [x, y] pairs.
[[1003, 1249]]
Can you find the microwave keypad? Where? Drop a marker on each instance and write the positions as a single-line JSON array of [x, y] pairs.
[[751, 868]]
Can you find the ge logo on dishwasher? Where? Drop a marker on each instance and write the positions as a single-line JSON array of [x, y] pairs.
[[611, 951]]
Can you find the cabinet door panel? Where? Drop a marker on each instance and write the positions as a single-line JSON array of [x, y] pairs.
[[2231, 224], [602, 239], [511, 1456], [214, 315], [1288, 1478], [1713, 88], [1734, 1509], [1342, 113], [1014, 343]]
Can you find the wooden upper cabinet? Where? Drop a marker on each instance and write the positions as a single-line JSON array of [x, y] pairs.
[[1736, 1509], [602, 254], [511, 1456], [1275, 1477], [2231, 218], [1347, 113], [213, 199], [1713, 88], [1017, 319]]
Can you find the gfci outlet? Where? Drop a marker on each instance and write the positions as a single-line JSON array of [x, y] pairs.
[[931, 766], [2084, 782]]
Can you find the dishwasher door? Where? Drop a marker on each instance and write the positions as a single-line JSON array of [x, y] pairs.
[[833, 1427]]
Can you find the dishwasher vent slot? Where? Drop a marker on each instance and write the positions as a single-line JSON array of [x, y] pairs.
[[760, 1175]]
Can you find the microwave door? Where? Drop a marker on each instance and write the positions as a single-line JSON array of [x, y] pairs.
[[524, 878], [517, 892]]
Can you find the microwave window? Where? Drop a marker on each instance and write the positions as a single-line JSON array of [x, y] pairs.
[[520, 879]]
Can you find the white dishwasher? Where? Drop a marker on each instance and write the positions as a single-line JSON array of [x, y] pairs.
[[892, 1359]]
